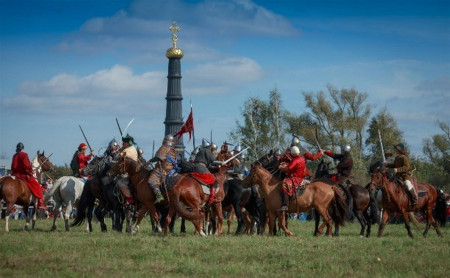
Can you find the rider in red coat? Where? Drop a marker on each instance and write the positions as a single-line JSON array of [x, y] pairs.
[[295, 171], [21, 168], [82, 158]]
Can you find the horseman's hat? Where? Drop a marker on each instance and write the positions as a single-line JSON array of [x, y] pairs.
[[401, 148], [82, 146], [128, 139]]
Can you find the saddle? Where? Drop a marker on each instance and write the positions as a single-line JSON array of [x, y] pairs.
[[205, 187], [299, 189]]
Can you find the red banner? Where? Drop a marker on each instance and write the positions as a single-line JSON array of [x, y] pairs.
[[187, 127]]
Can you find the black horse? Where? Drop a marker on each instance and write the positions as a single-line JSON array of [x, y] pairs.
[[358, 200], [100, 187], [238, 197]]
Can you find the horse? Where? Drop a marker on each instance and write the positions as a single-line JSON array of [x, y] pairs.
[[394, 199], [139, 179], [187, 190], [15, 191], [237, 198], [326, 199], [99, 186], [358, 200], [65, 192]]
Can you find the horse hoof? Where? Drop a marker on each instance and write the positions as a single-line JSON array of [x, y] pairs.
[[53, 229]]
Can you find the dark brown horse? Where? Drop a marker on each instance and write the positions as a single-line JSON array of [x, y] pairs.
[[358, 200], [139, 179], [15, 191], [188, 199], [394, 199], [326, 199]]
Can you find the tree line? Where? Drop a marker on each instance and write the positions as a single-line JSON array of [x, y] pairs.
[[332, 119]]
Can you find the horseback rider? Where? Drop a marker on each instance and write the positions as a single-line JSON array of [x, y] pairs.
[[112, 150], [166, 163], [344, 167], [81, 160], [307, 155], [403, 171], [129, 151], [295, 172], [202, 161], [21, 168]]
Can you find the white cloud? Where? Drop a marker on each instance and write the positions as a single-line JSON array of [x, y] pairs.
[[115, 89]]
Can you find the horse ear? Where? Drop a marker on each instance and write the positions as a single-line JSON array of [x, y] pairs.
[[43, 153], [38, 153]]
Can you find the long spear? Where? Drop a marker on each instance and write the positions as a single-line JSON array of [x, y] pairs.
[[381, 144], [118, 125]]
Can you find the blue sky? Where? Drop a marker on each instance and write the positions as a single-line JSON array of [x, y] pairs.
[[65, 63]]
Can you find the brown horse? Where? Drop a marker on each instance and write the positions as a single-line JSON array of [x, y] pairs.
[[326, 199], [394, 199], [188, 191], [15, 191], [139, 179]]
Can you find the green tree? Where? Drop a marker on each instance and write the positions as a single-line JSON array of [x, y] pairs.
[[263, 127]]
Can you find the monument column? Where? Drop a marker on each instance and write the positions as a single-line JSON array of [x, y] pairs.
[[174, 119]]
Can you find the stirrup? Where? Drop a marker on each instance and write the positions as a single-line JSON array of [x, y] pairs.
[[283, 208]]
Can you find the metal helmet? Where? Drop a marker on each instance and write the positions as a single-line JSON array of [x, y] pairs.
[[346, 148], [193, 154], [278, 152], [295, 141], [237, 148], [112, 143], [19, 147], [295, 150], [205, 143], [168, 140], [213, 147]]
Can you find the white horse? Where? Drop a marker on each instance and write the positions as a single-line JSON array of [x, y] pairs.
[[65, 191]]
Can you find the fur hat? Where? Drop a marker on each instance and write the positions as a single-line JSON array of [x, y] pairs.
[[401, 148]]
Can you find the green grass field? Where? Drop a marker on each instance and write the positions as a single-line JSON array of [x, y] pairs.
[[76, 253]]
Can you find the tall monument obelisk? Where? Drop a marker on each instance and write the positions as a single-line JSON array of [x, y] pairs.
[[174, 119]]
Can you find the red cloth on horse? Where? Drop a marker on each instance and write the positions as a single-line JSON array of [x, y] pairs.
[[206, 178], [21, 168]]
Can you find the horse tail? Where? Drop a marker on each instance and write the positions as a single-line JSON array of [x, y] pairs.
[[49, 193], [338, 209], [185, 213], [440, 209], [86, 199]]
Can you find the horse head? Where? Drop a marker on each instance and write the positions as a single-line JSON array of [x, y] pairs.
[[117, 168], [44, 162], [378, 179], [251, 178]]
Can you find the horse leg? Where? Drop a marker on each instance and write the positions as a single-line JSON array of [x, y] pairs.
[[384, 220], [183, 226], [271, 223], [282, 223], [56, 208], [67, 215], [317, 231], [361, 220], [407, 226], [326, 219], [219, 213], [140, 216], [9, 207], [100, 214], [430, 219], [368, 219], [27, 218], [34, 216], [89, 218]]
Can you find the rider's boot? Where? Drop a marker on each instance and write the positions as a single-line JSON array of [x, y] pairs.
[[41, 204], [284, 201], [413, 197], [212, 194], [158, 196]]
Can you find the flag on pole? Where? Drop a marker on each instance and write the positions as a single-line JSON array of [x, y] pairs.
[[187, 127]]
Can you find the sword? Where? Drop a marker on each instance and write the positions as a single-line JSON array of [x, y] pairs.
[[317, 141], [87, 142], [118, 125], [381, 144], [231, 158], [125, 131]]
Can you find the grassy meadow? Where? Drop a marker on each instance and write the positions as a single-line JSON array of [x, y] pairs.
[[77, 253]]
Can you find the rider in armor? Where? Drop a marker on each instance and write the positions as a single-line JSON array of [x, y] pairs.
[[344, 166], [128, 151], [202, 161], [295, 172], [21, 168], [402, 169], [166, 163]]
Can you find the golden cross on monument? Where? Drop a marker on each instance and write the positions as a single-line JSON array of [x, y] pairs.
[[174, 28]]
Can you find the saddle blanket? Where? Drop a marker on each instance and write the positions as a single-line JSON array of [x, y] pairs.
[[207, 189]]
